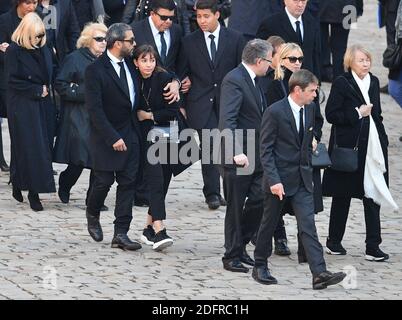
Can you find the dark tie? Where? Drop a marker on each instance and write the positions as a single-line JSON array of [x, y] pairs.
[[213, 47], [301, 126], [298, 31], [164, 47], [123, 78]]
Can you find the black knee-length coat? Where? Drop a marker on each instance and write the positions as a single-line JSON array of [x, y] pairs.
[[31, 158], [340, 111]]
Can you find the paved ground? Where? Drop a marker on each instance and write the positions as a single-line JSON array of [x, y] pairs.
[[49, 255]]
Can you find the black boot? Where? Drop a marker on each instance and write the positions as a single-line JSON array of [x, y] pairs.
[[17, 195], [3, 164], [34, 201]]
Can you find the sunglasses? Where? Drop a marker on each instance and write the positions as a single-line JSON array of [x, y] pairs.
[[165, 18], [39, 36], [131, 41], [99, 39], [294, 59]]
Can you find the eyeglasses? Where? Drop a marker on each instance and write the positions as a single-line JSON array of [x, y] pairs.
[[39, 36], [99, 39], [131, 41], [267, 60], [294, 59], [165, 18]]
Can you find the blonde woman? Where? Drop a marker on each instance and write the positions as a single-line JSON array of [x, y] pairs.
[[290, 60], [72, 143], [28, 71]]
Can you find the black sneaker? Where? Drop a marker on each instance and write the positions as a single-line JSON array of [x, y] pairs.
[[148, 235], [162, 241], [335, 248], [376, 255]]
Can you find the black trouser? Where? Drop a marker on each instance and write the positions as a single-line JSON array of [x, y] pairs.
[[157, 178], [336, 43], [339, 215], [303, 206], [242, 216], [210, 172], [69, 177], [280, 231], [126, 181]]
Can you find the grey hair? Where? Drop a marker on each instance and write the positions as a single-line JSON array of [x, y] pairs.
[[116, 31], [254, 50]]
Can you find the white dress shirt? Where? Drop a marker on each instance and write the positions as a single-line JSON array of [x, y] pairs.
[[116, 67], [296, 112], [293, 20], [250, 72], [157, 37], [208, 40]]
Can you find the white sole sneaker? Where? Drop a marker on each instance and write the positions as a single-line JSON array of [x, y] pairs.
[[371, 258], [146, 241], [158, 246], [335, 253]]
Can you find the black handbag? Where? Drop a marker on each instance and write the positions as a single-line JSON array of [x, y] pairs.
[[320, 158], [345, 159], [392, 56]]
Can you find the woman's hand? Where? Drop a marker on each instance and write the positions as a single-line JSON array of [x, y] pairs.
[[314, 144], [144, 115], [44, 92], [365, 110]]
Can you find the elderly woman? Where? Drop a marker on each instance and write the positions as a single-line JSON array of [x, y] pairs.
[[290, 59], [354, 110], [28, 69], [72, 143]]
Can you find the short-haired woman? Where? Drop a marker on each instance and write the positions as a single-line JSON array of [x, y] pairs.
[[354, 110], [28, 70], [72, 143]]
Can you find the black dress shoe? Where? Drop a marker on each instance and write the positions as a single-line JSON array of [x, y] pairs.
[[140, 202], [17, 195], [104, 208], [262, 275], [326, 278], [4, 167], [213, 202], [123, 242], [94, 227], [222, 201], [34, 202], [281, 247], [245, 258], [234, 266], [64, 195]]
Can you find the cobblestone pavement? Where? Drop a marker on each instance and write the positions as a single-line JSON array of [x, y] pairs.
[[49, 255]]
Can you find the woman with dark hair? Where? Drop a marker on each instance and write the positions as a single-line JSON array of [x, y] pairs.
[[28, 73], [154, 109]]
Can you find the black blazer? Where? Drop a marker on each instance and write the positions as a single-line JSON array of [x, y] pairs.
[[279, 25], [206, 78], [111, 114], [283, 158], [340, 111], [67, 28], [143, 35], [241, 107]]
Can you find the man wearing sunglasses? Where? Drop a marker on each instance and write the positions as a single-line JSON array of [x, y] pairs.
[[296, 25]]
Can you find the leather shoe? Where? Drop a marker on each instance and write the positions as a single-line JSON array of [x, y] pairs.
[[234, 266], [34, 202], [123, 242], [262, 275], [213, 202], [17, 195], [222, 201], [94, 227], [281, 247], [326, 278], [64, 195], [141, 202], [104, 208], [4, 167], [245, 258]]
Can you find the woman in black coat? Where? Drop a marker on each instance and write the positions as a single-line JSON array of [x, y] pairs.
[[28, 76], [290, 60], [348, 112], [154, 109], [72, 143]]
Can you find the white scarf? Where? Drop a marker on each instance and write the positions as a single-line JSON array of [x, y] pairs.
[[375, 186]]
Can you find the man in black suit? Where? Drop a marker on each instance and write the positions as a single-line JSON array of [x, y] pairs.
[[241, 107], [159, 31], [293, 24], [286, 147], [112, 97], [207, 55]]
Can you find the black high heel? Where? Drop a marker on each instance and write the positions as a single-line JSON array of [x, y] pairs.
[[17, 195], [34, 202]]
